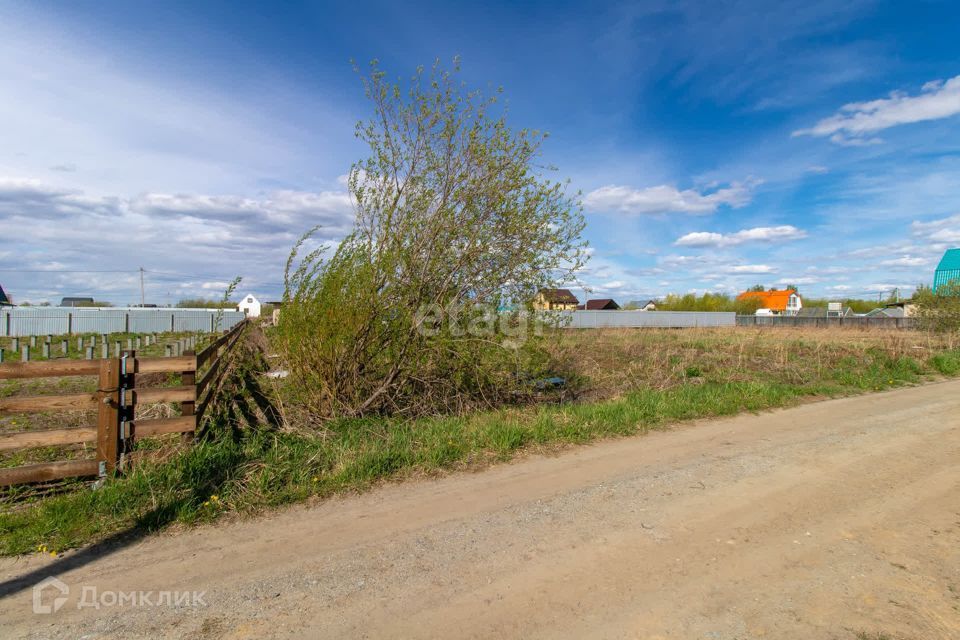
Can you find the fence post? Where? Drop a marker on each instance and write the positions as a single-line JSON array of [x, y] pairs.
[[25, 353], [69, 323], [128, 408], [189, 378], [108, 415]]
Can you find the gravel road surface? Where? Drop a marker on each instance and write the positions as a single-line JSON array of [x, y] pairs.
[[829, 520]]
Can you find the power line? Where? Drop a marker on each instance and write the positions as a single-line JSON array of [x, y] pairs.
[[68, 271]]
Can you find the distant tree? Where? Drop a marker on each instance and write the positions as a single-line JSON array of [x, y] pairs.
[[791, 287], [708, 302], [757, 287], [938, 311], [204, 303]]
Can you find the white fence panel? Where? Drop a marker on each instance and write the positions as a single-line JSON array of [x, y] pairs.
[[38, 321], [648, 319]]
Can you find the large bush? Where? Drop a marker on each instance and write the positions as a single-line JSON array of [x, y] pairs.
[[939, 311], [456, 225]]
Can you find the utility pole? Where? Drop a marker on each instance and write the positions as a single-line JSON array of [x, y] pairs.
[[142, 297]]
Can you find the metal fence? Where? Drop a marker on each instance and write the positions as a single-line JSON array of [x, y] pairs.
[[862, 322], [38, 321], [648, 319]]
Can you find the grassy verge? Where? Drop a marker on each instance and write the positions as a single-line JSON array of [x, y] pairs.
[[245, 471]]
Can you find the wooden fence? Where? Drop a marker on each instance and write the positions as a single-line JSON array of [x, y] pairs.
[[115, 401]]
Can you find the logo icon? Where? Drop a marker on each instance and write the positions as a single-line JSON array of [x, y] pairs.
[[58, 601]]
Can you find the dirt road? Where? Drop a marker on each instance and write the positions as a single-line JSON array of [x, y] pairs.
[[823, 521]]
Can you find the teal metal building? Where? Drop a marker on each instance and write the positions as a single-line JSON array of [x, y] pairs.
[[948, 270]]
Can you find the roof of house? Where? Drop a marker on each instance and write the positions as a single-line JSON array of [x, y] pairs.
[[775, 300], [3, 297], [602, 304], [890, 311], [950, 260], [559, 296]]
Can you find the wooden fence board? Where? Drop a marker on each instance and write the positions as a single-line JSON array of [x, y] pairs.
[[48, 471], [50, 369], [175, 364], [164, 394], [47, 438], [182, 424], [67, 402]]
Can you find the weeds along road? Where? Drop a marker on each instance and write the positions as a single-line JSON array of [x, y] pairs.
[[823, 521]]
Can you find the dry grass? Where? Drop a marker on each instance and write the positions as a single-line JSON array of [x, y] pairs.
[[610, 363], [640, 380]]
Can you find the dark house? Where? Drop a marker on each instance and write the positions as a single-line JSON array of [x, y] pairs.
[[4, 300], [603, 304], [72, 301]]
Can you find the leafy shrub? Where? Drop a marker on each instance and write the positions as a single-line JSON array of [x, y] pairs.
[[454, 224]]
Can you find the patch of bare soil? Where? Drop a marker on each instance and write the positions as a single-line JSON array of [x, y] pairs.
[[824, 521]]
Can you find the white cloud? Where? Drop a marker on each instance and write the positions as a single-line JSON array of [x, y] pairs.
[[856, 122], [941, 231], [887, 288], [817, 169], [750, 268], [210, 238], [798, 281], [111, 119], [781, 233], [905, 261], [668, 199]]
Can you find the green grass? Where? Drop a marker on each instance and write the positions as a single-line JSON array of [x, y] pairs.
[[249, 470]]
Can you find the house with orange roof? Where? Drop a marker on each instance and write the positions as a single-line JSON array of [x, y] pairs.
[[785, 302]]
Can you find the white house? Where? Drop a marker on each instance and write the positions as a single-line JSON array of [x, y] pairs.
[[250, 306]]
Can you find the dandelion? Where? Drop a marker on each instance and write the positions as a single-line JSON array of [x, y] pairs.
[[214, 498], [206, 503], [53, 554]]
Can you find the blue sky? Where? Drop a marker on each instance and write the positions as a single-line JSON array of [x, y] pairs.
[[717, 145]]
